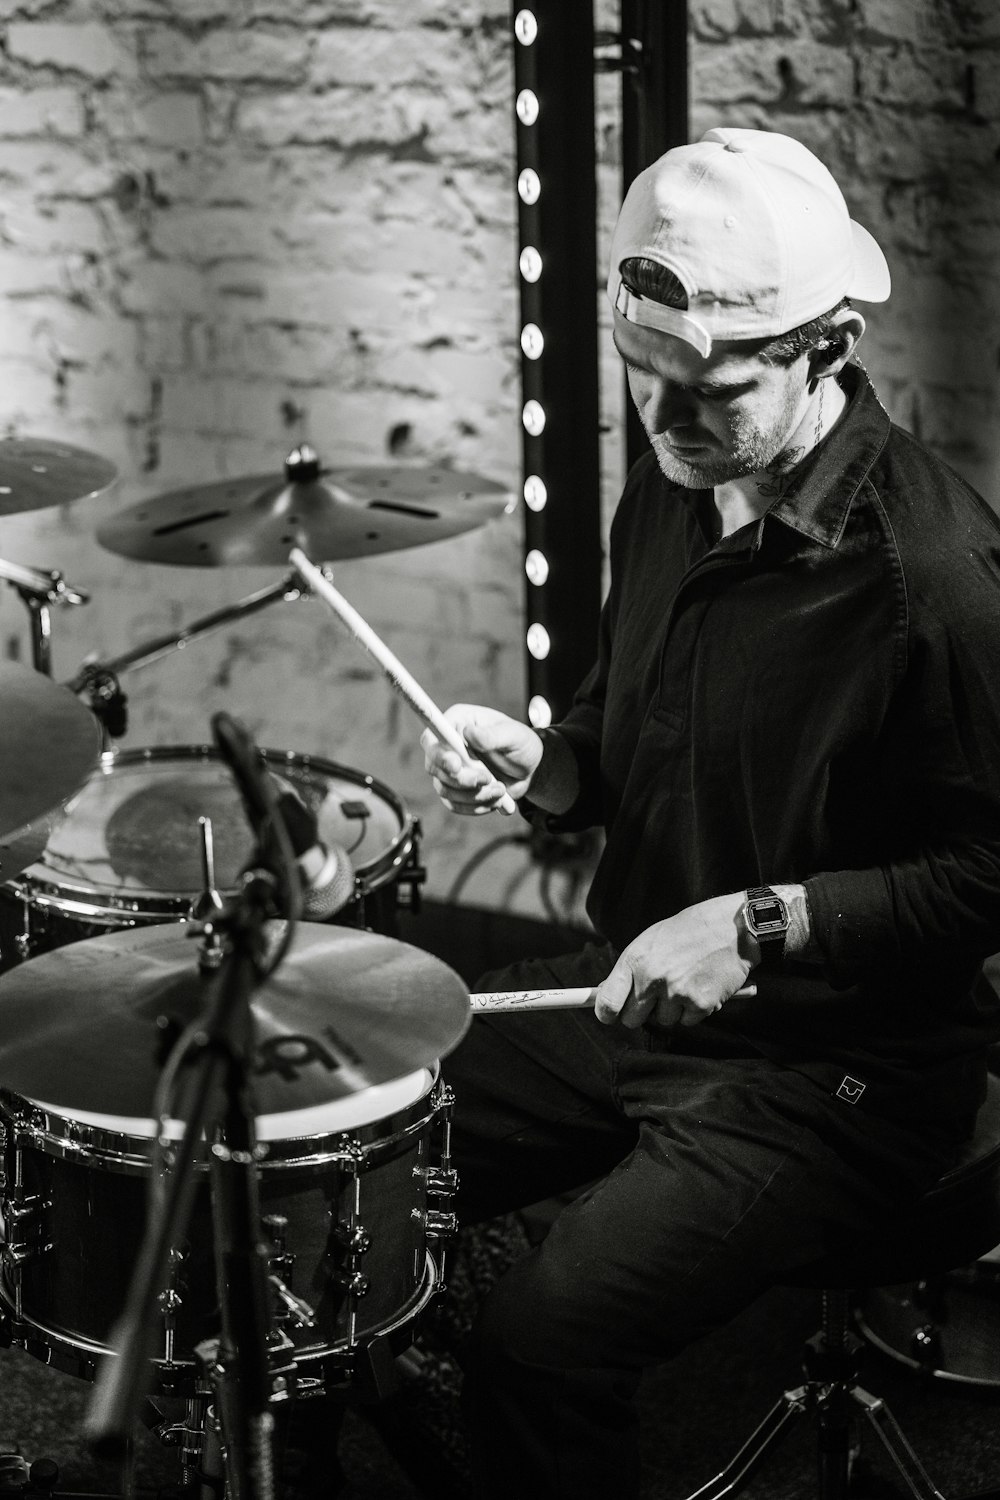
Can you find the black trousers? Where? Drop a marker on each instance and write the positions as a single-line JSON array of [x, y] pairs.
[[708, 1174]]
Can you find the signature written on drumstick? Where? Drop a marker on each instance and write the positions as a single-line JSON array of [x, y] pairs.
[[573, 998]]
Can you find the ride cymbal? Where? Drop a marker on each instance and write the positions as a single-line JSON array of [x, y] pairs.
[[49, 744], [87, 1026], [36, 473], [332, 514]]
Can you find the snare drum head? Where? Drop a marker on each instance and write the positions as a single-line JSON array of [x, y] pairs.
[[132, 834]]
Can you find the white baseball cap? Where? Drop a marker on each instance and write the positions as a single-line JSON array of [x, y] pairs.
[[756, 231]]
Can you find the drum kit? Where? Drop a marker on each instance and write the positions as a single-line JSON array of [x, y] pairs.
[[335, 1029]]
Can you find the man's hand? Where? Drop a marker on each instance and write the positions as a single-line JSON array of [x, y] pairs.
[[678, 970], [512, 749]]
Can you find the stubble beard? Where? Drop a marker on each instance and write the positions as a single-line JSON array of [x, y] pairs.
[[751, 449]]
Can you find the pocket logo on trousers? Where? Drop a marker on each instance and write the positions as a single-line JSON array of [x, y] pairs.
[[850, 1089]]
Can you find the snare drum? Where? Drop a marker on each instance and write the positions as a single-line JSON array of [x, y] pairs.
[[128, 850], [344, 1198]]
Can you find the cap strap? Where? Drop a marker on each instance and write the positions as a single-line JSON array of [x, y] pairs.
[[650, 314]]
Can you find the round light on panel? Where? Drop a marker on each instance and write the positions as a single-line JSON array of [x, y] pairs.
[[532, 342], [539, 712], [538, 641], [530, 263], [526, 106], [536, 565], [535, 493], [529, 187], [533, 417], [525, 27]]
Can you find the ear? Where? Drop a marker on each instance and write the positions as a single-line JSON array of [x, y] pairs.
[[834, 350]]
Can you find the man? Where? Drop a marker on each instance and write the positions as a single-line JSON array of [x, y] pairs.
[[791, 737]]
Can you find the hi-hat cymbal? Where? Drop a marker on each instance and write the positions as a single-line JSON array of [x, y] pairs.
[[87, 1025], [35, 473], [49, 744], [332, 514]]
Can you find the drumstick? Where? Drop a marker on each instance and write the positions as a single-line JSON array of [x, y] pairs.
[[406, 685], [518, 1000]]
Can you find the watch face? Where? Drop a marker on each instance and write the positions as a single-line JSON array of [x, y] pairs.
[[766, 914]]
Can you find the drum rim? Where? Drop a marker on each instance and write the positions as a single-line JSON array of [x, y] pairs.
[[43, 893], [56, 1132], [83, 1351]]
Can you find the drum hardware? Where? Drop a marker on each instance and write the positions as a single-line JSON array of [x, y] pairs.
[[209, 901], [99, 680], [333, 513], [38, 592]]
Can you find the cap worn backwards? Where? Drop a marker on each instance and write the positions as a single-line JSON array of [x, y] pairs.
[[755, 229]]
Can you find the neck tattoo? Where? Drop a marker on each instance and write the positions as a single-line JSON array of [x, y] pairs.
[[818, 434], [775, 478]]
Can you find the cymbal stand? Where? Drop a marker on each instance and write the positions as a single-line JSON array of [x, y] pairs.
[[289, 589], [220, 1109], [99, 679], [39, 591]]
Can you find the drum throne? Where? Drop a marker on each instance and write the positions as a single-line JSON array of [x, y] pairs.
[[956, 1222]]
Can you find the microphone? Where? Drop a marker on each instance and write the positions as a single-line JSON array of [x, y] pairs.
[[326, 875], [325, 870]]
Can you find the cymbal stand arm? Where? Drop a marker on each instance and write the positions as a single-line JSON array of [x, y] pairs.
[[38, 591], [289, 588]]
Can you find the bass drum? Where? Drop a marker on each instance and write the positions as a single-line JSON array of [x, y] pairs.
[[127, 852], [947, 1327]]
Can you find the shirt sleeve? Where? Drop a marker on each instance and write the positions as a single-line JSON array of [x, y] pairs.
[[931, 910]]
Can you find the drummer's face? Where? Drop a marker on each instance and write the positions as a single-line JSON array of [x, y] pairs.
[[716, 418]]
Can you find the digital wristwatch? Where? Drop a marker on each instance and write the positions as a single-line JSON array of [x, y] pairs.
[[766, 917]]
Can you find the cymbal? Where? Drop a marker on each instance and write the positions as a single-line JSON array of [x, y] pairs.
[[35, 473], [49, 744], [87, 1026], [332, 514]]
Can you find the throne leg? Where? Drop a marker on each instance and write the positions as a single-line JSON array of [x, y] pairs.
[[763, 1441]]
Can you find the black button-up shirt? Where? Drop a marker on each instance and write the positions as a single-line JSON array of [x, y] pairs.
[[816, 700]]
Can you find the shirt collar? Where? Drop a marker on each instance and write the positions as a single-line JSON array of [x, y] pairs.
[[819, 495]]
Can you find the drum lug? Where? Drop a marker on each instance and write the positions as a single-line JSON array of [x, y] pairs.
[[25, 1238], [440, 1182], [436, 1225], [354, 1283], [353, 1238]]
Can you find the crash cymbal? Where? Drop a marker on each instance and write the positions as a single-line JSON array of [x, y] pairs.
[[87, 1026], [35, 473], [49, 744], [332, 514]]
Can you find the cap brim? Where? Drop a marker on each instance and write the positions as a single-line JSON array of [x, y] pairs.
[[871, 281]]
